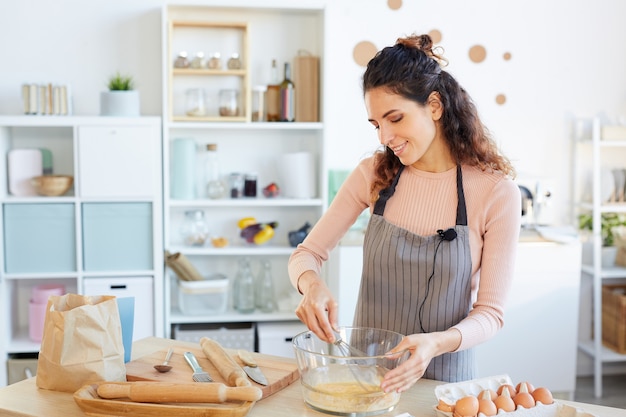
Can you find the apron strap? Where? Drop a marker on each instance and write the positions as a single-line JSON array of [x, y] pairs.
[[461, 212], [385, 194]]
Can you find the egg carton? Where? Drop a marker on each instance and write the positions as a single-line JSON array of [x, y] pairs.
[[454, 391]]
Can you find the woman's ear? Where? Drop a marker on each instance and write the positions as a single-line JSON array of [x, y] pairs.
[[435, 105]]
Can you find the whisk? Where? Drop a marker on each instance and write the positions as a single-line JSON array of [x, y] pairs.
[[363, 368]]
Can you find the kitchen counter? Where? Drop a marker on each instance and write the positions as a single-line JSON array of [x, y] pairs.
[[24, 399]]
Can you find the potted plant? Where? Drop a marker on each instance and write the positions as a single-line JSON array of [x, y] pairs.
[[121, 99], [609, 221]]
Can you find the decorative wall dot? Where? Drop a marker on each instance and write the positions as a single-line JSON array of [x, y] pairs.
[[435, 35], [394, 4], [363, 52], [477, 53], [500, 99], [507, 56]]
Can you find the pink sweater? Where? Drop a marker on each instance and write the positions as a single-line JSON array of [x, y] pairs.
[[424, 202]]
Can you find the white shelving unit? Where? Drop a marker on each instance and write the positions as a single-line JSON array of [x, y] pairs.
[[264, 32], [592, 154], [116, 196]]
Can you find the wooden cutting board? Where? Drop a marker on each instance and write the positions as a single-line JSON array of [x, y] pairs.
[[280, 372]]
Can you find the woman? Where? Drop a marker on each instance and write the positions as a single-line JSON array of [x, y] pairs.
[[440, 247]]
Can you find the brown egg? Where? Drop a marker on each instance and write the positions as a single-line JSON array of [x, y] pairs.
[[529, 387], [543, 395], [504, 402], [487, 406], [524, 399], [492, 394], [508, 387], [466, 406], [445, 405]]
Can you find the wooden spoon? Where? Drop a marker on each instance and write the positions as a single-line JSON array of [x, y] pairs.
[[164, 367]]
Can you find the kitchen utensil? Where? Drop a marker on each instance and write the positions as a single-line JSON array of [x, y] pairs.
[[199, 375], [227, 367], [333, 378], [92, 404], [164, 392], [164, 367], [251, 368], [279, 371], [368, 380]]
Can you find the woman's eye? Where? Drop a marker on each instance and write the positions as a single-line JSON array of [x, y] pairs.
[[396, 119]]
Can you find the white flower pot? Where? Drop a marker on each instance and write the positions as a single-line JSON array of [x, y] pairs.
[[119, 103]]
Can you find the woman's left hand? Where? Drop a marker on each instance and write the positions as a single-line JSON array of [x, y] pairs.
[[423, 347]]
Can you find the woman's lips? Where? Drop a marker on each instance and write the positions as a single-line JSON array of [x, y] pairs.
[[397, 150]]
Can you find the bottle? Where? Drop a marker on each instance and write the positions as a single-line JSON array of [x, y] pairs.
[[287, 97], [245, 302], [272, 96], [214, 188], [265, 298], [194, 228]]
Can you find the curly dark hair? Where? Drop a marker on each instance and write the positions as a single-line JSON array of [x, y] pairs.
[[412, 68]]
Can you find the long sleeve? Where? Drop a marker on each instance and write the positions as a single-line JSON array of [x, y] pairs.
[[424, 202]]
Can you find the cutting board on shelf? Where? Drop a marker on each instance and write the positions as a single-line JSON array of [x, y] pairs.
[[280, 372]]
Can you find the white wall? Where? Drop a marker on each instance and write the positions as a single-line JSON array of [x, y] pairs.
[[567, 60]]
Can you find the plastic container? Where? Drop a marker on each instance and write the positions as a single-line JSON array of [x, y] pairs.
[[203, 297], [37, 308]]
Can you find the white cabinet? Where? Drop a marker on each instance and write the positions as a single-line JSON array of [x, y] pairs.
[[104, 235], [259, 34], [594, 157], [544, 294]]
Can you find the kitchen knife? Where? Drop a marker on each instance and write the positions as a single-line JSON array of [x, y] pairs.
[[251, 368]]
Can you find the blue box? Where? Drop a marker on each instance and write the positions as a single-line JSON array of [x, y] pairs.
[[39, 238], [117, 236]]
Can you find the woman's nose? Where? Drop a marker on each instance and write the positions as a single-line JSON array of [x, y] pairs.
[[385, 135]]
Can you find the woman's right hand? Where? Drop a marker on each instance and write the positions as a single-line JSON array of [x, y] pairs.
[[318, 308]]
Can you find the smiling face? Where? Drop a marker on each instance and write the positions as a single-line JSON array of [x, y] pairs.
[[409, 129]]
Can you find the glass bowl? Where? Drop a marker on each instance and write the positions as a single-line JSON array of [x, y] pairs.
[[344, 378]]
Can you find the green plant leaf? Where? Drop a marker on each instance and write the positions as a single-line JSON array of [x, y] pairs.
[[120, 82]]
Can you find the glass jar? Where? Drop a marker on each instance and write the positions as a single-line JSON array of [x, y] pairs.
[[198, 61], [196, 102], [250, 185], [236, 182], [258, 103], [194, 228], [215, 62], [229, 103], [234, 62], [181, 60]]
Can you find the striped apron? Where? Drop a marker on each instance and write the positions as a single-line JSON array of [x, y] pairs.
[[415, 284]]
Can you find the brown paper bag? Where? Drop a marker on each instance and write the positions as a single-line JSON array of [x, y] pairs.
[[81, 344]]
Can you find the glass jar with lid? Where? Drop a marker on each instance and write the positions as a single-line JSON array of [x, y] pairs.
[[198, 61], [194, 228], [215, 62], [181, 60], [234, 62], [196, 102]]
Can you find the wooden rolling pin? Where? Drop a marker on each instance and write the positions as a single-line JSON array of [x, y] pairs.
[[167, 392], [227, 367]]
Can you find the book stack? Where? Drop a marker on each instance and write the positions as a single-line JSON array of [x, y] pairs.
[[46, 99]]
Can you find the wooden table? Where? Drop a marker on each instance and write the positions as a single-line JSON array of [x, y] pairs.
[[24, 399]]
